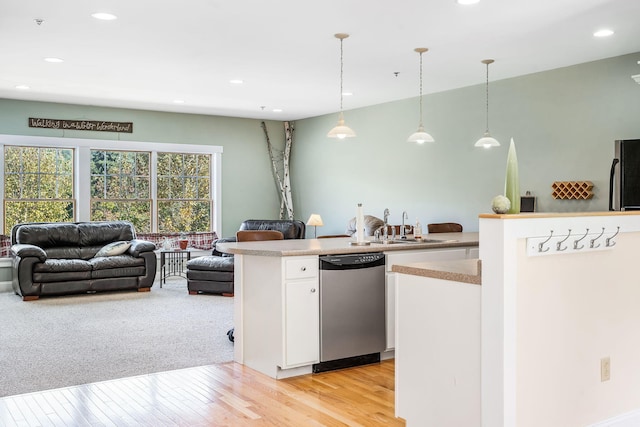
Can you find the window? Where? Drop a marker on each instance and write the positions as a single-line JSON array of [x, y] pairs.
[[159, 187], [184, 188], [120, 187], [38, 185]]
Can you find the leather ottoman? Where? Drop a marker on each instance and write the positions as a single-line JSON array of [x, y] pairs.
[[212, 274]]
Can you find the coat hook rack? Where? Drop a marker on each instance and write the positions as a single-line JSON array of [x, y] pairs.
[[591, 244], [575, 243], [608, 243], [559, 244], [599, 240], [541, 244]]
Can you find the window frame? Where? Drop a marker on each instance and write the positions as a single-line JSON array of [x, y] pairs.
[[82, 157]]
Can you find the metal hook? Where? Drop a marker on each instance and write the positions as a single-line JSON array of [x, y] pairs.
[[541, 244], [559, 244], [608, 242], [575, 243], [596, 238]]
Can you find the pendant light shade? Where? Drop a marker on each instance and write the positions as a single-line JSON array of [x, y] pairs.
[[487, 141], [341, 130], [420, 136]]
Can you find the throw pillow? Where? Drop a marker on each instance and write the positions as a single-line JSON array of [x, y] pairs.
[[115, 248]]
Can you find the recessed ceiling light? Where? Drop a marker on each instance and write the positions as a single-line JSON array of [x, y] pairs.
[[277, 110], [603, 33], [465, 2], [236, 81], [22, 87], [347, 93], [104, 16], [54, 60], [178, 101]]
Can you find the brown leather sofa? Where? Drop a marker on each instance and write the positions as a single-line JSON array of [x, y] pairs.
[[214, 273], [60, 258]]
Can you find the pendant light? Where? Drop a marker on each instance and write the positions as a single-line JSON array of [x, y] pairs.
[[341, 130], [487, 141], [420, 136]]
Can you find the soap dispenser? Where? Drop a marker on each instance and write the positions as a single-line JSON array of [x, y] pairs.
[[417, 230]]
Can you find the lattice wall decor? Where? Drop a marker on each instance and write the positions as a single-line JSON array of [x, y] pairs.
[[580, 190]]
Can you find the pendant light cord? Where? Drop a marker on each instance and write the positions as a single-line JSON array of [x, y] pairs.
[[341, 71], [487, 97], [421, 125]]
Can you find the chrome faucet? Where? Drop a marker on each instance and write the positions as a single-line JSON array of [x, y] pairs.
[[385, 231], [403, 233]]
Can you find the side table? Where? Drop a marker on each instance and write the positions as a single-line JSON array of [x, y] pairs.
[[173, 262]]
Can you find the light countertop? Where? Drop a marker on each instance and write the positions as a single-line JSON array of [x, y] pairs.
[[536, 215], [463, 270], [341, 245]]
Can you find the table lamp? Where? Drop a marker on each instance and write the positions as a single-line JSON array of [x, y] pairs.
[[316, 221]]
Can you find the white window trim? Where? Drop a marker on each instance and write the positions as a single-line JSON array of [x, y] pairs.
[[82, 155]]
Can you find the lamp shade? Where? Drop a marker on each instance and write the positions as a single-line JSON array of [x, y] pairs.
[[341, 130], [315, 220], [487, 141], [420, 136]]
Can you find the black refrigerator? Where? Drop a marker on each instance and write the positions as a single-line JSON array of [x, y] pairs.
[[624, 179]]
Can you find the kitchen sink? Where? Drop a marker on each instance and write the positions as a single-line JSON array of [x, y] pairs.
[[423, 240]]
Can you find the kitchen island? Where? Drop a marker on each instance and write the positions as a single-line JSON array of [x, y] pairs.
[[437, 374], [550, 338], [276, 310]]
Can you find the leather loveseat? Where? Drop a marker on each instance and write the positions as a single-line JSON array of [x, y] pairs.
[[64, 258], [214, 273]]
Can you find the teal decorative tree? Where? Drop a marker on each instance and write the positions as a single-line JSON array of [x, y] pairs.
[[512, 182]]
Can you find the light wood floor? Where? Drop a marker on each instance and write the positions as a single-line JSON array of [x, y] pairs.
[[217, 395]]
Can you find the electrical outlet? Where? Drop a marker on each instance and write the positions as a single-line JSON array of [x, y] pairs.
[[605, 369]]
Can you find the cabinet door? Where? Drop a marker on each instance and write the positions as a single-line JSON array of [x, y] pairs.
[[301, 323]]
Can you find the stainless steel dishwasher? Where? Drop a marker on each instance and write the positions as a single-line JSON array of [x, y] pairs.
[[352, 310]]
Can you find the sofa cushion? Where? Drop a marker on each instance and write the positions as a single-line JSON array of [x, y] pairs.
[[114, 248], [48, 235], [101, 233], [211, 263], [117, 266], [54, 265], [60, 270], [116, 261], [216, 276]]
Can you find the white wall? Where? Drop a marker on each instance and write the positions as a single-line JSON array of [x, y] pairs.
[[548, 320], [572, 311], [248, 189], [563, 122]]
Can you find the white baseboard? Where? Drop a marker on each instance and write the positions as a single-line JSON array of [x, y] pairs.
[[6, 286], [629, 419], [6, 263]]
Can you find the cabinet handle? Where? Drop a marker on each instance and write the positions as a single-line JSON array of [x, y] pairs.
[[303, 268], [313, 290]]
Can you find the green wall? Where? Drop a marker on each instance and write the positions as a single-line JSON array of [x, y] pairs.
[[563, 123], [248, 189]]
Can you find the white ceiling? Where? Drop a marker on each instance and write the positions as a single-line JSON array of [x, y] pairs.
[[285, 50]]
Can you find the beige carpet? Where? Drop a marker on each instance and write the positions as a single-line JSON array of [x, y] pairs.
[[62, 341]]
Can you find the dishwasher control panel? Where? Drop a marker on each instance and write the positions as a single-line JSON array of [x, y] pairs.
[[329, 262]]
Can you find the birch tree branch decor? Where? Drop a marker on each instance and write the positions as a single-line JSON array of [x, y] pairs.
[[280, 167]]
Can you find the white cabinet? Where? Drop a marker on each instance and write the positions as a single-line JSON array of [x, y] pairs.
[[277, 313], [301, 321], [407, 257]]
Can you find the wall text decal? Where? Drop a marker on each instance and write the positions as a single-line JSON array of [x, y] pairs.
[[90, 125]]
